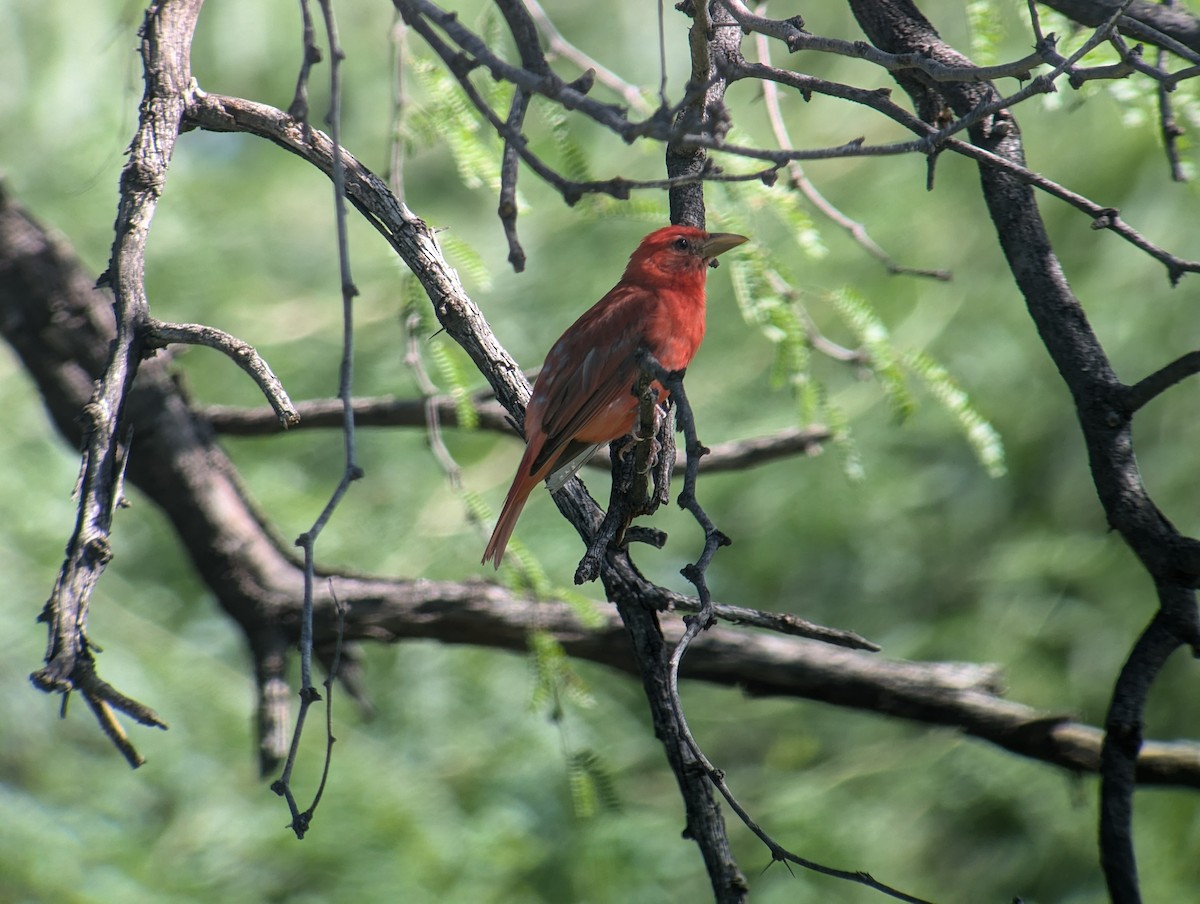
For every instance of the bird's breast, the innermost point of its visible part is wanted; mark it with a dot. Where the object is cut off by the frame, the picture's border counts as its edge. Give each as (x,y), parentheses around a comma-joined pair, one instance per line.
(675,329)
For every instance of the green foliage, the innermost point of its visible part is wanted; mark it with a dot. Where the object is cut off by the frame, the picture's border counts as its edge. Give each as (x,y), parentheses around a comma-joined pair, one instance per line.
(556,684)
(570,157)
(876,344)
(775,314)
(765,299)
(987,31)
(641,208)
(555,677)
(593,789)
(523,571)
(446,115)
(982,436)
(468,261)
(458,791)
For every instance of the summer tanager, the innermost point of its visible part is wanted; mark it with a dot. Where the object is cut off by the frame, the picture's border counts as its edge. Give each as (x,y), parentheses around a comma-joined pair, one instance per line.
(584,395)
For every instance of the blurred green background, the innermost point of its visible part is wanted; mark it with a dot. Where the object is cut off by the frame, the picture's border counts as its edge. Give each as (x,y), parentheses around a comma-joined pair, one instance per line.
(458,791)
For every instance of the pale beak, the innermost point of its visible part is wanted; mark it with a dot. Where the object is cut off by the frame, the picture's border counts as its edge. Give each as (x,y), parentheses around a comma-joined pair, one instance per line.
(719,243)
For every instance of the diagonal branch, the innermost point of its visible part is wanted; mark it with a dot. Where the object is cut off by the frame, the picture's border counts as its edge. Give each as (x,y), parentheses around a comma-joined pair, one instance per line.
(1175,28)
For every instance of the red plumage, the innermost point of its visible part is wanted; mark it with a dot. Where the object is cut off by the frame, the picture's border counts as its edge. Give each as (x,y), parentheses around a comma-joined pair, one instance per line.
(583,396)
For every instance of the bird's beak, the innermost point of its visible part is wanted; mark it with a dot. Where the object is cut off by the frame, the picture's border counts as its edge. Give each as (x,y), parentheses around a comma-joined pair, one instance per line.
(719,243)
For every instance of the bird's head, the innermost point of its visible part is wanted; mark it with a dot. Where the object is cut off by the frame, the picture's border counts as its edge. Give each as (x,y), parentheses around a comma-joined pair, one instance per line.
(669,254)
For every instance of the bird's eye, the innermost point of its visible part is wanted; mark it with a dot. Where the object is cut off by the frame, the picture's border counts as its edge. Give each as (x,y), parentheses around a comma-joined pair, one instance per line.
(681,244)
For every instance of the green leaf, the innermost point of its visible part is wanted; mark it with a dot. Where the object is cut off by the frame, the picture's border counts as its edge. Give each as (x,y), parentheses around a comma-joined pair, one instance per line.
(554,676)
(983,437)
(776,316)
(521,570)
(583,606)
(641,207)
(592,786)
(573,159)
(466,259)
(478,511)
(780,202)
(448,116)
(843,442)
(876,342)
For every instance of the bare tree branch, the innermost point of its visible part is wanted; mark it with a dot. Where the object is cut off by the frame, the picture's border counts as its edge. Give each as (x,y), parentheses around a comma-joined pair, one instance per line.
(1174,28)
(166,45)
(351,471)
(800,181)
(161,334)
(1146,390)
(1099,399)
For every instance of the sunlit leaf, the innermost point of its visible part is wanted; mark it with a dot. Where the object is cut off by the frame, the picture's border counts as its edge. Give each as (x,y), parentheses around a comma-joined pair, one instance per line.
(983,437)
(882,359)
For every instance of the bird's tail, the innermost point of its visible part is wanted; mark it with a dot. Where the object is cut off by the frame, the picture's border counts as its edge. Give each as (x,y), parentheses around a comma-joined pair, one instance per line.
(518,493)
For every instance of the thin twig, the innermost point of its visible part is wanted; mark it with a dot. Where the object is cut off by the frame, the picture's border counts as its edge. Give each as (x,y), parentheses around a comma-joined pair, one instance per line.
(778,622)
(431,410)
(800,181)
(509,171)
(395,175)
(351,471)
(1151,387)
(560,46)
(1168,126)
(812,333)
(312,55)
(330,677)
(1035,21)
(663,103)
(243,354)
(69,664)
(1145,32)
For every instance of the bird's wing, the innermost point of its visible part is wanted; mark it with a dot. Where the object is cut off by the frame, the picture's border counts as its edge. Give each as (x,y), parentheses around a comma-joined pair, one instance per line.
(587,381)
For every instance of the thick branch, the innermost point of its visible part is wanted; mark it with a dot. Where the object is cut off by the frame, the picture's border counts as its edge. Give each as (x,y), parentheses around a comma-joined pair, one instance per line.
(1100,403)
(1143,20)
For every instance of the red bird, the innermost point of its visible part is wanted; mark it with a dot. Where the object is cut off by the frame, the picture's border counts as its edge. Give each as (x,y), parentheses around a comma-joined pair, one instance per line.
(583,396)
